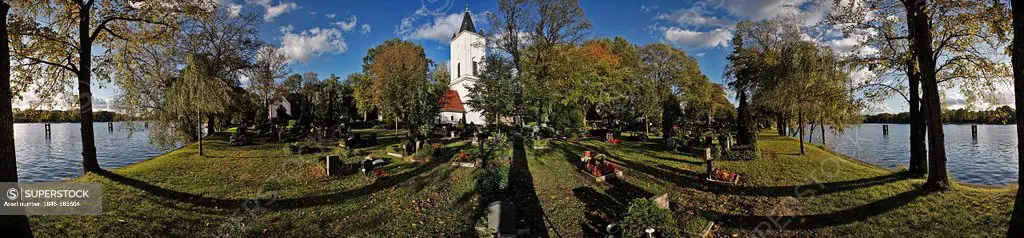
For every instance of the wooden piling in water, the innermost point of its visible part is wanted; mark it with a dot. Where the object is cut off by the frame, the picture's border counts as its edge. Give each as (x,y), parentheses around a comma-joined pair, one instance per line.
(110,126)
(48,130)
(885,129)
(974,130)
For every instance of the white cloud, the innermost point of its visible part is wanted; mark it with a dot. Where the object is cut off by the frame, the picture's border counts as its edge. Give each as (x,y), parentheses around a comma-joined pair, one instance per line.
(347,26)
(274,10)
(694,39)
(331,16)
(365,29)
(763,9)
(305,45)
(233,8)
(688,17)
(438,27)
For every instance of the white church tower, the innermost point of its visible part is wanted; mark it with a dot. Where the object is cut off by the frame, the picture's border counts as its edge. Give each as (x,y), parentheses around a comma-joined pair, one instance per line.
(467,57)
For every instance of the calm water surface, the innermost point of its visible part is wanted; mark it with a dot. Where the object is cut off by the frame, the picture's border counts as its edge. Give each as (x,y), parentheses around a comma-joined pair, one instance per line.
(991,158)
(60,157)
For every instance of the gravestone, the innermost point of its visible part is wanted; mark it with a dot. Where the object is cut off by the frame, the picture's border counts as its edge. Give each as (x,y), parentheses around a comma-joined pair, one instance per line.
(333,165)
(708,161)
(661,201)
(501,217)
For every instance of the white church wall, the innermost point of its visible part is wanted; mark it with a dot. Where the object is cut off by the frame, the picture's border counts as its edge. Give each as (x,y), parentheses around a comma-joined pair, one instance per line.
(467,49)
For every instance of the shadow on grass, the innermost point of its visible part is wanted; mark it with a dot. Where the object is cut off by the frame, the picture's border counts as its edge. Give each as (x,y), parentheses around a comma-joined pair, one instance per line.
(602,209)
(695,180)
(528,207)
(763,224)
(195,200)
(279,204)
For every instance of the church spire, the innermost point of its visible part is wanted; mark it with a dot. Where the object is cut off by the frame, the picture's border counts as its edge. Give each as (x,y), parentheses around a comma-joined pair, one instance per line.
(467,22)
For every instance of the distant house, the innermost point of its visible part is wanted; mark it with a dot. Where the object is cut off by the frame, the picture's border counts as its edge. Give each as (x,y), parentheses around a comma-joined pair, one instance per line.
(277,104)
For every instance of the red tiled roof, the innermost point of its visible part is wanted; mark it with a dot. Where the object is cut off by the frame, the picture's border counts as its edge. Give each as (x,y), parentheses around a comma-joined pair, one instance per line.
(451,102)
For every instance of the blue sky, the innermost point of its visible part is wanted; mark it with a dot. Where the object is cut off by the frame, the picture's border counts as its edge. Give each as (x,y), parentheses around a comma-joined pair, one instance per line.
(331,37)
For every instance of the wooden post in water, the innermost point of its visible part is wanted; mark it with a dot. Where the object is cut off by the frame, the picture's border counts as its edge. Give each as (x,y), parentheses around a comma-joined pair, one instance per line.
(885,129)
(974,130)
(110,126)
(48,130)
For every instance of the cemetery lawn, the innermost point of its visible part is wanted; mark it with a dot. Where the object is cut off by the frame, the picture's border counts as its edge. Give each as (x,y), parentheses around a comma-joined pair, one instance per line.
(783,194)
(180,194)
(231,192)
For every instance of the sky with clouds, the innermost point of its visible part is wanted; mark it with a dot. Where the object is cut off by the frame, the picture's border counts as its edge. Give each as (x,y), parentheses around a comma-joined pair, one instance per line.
(331,37)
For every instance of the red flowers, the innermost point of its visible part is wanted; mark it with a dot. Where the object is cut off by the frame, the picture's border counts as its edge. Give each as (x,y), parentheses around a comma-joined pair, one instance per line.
(380,173)
(614,141)
(724,175)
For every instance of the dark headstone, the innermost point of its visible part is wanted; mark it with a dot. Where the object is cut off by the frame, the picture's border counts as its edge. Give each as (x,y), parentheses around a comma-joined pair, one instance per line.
(333,165)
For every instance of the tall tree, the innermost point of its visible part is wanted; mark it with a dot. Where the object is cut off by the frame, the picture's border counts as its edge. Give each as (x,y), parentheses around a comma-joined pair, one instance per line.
(489,95)
(399,72)
(669,72)
(1017,219)
(12,225)
(57,38)
(741,71)
(530,31)
(264,77)
(198,92)
(919,25)
(145,70)
(584,75)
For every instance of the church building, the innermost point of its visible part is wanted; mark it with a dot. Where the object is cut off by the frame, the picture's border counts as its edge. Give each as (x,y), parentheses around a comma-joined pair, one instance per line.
(467,56)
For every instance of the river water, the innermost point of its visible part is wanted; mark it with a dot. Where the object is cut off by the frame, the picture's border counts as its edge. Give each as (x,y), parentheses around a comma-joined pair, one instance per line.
(60,157)
(990,158)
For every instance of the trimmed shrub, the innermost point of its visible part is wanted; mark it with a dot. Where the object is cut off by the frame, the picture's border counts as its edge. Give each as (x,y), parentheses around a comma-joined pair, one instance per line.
(643,214)
(745,152)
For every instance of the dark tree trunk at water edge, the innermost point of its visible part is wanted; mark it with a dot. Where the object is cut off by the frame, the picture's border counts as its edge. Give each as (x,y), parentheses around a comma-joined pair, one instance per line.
(89,161)
(1017,218)
(12,226)
(800,125)
(918,149)
(919,26)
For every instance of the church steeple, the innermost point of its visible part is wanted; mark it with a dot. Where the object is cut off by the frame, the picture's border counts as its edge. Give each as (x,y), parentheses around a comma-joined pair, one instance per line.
(467,22)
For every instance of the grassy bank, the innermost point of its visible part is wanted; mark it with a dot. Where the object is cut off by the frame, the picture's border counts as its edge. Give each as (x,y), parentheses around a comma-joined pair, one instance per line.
(264,190)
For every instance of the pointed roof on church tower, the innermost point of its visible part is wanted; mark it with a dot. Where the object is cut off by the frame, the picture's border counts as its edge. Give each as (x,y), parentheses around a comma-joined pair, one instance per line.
(467,23)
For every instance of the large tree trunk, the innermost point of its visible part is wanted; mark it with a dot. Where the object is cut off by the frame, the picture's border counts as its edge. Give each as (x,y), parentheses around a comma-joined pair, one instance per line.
(920,31)
(918,151)
(800,125)
(823,131)
(780,123)
(89,161)
(1017,217)
(210,124)
(199,132)
(11,225)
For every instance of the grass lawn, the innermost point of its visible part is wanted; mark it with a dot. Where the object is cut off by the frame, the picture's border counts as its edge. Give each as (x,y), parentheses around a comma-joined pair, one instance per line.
(782,194)
(263,190)
(231,192)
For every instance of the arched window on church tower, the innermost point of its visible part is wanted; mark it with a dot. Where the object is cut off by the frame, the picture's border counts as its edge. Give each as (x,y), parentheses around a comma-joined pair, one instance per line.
(474,68)
(458,70)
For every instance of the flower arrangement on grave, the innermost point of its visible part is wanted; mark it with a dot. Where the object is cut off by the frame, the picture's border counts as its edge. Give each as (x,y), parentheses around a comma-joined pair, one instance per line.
(463,156)
(723,175)
(380,173)
(614,141)
(600,167)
